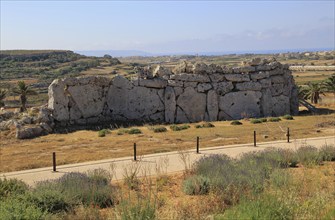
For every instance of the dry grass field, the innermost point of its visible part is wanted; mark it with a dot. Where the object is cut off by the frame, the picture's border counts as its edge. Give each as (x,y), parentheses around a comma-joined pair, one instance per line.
(85,145)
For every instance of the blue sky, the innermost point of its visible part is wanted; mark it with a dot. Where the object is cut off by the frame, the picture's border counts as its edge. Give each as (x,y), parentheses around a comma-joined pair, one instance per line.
(167,26)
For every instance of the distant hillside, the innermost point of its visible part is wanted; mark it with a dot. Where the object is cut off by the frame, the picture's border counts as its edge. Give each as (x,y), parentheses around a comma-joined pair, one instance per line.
(114,53)
(47,64)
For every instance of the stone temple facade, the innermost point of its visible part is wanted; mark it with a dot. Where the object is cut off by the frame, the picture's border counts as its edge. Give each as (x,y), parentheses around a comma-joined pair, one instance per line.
(188,93)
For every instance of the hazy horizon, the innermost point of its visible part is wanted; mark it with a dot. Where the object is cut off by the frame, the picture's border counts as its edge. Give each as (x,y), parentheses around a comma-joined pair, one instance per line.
(168,27)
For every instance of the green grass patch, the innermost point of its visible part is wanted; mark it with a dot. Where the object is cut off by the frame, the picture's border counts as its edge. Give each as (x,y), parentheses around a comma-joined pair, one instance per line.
(274,119)
(205,125)
(179,127)
(236,122)
(288,117)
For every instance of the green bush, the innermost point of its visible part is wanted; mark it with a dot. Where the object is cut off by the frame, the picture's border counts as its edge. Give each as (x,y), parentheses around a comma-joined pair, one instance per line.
(205,125)
(309,156)
(103,132)
(134,131)
(255,121)
(288,117)
(49,200)
(18,208)
(274,119)
(266,207)
(196,185)
(79,189)
(160,129)
(327,153)
(179,127)
(10,187)
(236,122)
(263,119)
(99,176)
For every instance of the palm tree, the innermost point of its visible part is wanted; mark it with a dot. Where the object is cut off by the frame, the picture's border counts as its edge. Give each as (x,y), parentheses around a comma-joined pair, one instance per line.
(329,84)
(3,94)
(313,92)
(23,90)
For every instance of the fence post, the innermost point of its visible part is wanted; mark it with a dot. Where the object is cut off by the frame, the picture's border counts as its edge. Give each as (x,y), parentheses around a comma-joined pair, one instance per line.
(197,145)
(254,138)
(288,135)
(54,161)
(134,151)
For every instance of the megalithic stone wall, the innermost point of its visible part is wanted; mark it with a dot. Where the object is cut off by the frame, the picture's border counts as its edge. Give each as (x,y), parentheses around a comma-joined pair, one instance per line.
(191,93)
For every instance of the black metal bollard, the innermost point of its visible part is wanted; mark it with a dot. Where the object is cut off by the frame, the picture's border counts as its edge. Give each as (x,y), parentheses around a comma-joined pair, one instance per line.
(54,161)
(254,138)
(134,151)
(197,145)
(288,135)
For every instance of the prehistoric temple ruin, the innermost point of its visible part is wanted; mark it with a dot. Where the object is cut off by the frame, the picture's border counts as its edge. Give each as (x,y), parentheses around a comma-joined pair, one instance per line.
(188,93)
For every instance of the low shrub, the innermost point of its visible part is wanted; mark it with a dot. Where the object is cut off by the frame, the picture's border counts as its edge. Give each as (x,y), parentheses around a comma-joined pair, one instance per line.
(179,127)
(274,119)
(129,131)
(263,119)
(205,125)
(280,178)
(288,117)
(142,208)
(327,153)
(196,185)
(236,122)
(10,187)
(134,131)
(49,200)
(103,132)
(255,121)
(99,176)
(17,208)
(160,129)
(309,156)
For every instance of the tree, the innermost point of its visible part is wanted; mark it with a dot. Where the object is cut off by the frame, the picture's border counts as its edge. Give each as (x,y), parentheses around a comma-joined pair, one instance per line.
(3,94)
(23,90)
(313,92)
(329,84)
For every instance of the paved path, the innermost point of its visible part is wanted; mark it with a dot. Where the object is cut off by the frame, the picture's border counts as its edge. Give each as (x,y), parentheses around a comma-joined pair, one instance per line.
(149,164)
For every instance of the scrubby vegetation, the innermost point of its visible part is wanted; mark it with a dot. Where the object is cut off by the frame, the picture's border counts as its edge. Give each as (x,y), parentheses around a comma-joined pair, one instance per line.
(179,127)
(205,125)
(258,185)
(236,122)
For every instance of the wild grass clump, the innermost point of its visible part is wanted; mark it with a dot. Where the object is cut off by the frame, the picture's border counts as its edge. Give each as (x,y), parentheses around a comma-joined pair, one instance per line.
(274,119)
(236,122)
(327,153)
(263,119)
(179,127)
(160,129)
(142,208)
(103,132)
(288,117)
(266,207)
(196,185)
(255,121)
(205,125)
(309,156)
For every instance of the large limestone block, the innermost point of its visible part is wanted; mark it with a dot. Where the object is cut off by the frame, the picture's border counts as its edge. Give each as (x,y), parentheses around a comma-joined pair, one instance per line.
(175,83)
(244,69)
(281,105)
(161,71)
(183,67)
(266,103)
(240,104)
(237,77)
(193,104)
(223,87)
(294,101)
(89,100)
(212,105)
(277,79)
(200,68)
(170,104)
(135,104)
(121,82)
(204,87)
(190,77)
(217,77)
(277,89)
(153,83)
(259,75)
(181,116)
(253,86)
(58,100)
